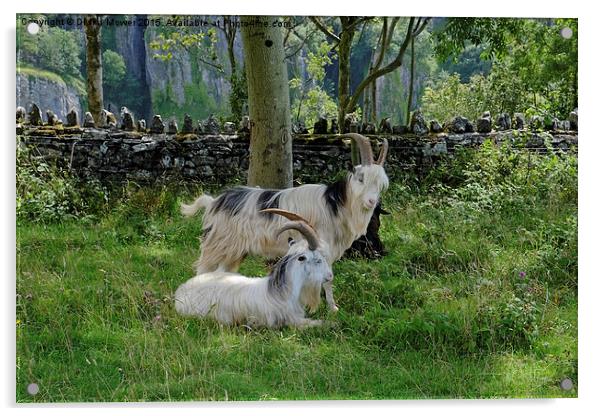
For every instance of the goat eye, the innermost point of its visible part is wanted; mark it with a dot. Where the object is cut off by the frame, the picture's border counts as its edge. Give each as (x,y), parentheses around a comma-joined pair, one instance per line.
(301,258)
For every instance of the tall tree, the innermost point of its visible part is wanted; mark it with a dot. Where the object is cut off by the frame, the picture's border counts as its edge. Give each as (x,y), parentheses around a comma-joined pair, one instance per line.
(343,40)
(271,160)
(92,29)
(411,84)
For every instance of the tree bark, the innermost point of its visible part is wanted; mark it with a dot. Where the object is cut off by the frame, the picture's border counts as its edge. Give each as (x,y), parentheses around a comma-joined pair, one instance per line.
(94,67)
(411,86)
(270,159)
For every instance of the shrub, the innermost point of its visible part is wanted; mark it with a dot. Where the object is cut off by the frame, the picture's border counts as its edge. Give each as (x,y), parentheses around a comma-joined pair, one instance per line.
(46,192)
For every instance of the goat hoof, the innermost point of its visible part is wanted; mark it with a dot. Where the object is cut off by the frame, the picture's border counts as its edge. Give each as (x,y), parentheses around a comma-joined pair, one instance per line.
(334,308)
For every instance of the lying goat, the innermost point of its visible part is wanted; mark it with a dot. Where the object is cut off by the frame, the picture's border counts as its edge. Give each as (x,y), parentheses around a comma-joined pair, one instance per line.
(273,301)
(233,225)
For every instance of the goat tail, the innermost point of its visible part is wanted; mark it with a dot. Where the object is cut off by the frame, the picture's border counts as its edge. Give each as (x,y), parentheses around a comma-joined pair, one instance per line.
(202,202)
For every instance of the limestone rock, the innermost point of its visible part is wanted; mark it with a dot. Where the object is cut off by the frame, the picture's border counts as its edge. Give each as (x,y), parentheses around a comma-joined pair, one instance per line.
(536,123)
(89,120)
(350,119)
(51,118)
(368,128)
(141,125)
(245,125)
(321,126)
(211,125)
(418,123)
(187,128)
(385,126)
(484,123)
(229,128)
(435,126)
(519,122)
(21,114)
(157,126)
(334,126)
(108,119)
(299,128)
(573,119)
(127,121)
(72,118)
(172,126)
(503,122)
(458,125)
(35,116)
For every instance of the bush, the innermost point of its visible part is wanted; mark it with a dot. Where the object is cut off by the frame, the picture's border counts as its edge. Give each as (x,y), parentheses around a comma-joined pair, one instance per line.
(48,193)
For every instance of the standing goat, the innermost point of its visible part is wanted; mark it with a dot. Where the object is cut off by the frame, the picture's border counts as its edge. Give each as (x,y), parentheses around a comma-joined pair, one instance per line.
(234,226)
(273,301)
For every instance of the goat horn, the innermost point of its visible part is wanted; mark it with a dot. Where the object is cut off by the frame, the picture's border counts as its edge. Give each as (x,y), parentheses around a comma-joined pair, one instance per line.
(384,149)
(306,230)
(286,214)
(364,147)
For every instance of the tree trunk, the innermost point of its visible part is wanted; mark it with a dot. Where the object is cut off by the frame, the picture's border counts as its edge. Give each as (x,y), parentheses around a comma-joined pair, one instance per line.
(344,53)
(270,159)
(94,67)
(411,86)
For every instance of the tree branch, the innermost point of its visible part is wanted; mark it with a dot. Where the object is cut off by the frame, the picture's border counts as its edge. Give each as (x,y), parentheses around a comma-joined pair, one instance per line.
(324,29)
(385,70)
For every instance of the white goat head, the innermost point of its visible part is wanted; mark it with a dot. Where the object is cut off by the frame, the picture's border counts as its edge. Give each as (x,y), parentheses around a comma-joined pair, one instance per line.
(368,179)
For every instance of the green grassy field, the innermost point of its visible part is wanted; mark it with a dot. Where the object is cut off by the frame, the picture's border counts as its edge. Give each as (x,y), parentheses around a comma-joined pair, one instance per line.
(476,298)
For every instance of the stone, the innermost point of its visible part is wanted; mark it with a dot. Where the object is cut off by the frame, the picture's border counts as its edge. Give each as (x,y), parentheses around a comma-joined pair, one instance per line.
(245,125)
(469,127)
(350,119)
(211,125)
(519,121)
(334,126)
(565,125)
(72,118)
(229,128)
(89,120)
(172,126)
(141,125)
(484,123)
(573,119)
(385,126)
(368,128)
(21,114)
(400,129)
(418,124)
(435,126)
(321,126)
(35,116)
(187,128)
(157,126)
(503,122)
(51,118)
(108,119)
(457,125)
(299,128)
(536,123)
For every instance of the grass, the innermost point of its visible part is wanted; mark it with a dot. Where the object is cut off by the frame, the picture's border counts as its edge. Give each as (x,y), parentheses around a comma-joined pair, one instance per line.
(476,298)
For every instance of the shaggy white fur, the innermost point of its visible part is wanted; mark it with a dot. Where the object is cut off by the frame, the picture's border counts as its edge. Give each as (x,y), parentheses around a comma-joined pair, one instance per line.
(272,301)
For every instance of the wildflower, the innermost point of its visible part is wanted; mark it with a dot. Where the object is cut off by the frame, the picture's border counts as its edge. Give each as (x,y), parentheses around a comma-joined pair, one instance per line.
(522,275)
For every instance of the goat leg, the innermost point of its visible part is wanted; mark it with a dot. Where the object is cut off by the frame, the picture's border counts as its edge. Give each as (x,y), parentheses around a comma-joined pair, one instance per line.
(329,296)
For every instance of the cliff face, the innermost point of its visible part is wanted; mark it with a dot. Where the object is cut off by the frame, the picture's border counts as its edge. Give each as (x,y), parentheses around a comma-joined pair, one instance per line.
(48,94)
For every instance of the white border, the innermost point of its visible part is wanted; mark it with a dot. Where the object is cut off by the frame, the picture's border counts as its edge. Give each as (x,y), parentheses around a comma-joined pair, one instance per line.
(590,151)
